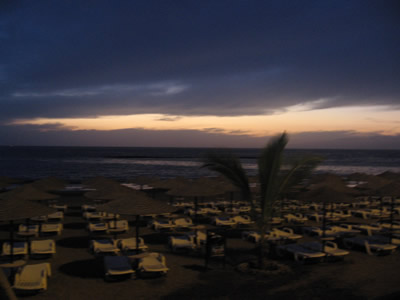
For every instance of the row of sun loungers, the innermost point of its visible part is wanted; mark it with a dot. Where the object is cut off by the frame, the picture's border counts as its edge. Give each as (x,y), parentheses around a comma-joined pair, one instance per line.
(42,229)
(37,248)
(118,226)
(312,252)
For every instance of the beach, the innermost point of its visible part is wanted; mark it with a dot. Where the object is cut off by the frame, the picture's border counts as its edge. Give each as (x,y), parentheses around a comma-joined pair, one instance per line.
(77,274)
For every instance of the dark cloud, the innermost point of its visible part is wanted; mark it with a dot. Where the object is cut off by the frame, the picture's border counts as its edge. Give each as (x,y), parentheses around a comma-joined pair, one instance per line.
(89,58)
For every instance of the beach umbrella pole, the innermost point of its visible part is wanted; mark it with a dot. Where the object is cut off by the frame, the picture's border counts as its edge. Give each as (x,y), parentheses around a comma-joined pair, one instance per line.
(391,220)
(11,241)
(137,234)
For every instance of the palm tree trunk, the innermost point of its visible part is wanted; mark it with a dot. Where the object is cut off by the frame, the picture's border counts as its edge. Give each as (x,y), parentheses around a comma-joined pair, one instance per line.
(5,289)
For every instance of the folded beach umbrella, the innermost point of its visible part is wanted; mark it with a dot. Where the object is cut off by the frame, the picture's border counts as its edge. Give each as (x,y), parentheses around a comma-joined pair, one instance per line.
(20,209)
(136,204)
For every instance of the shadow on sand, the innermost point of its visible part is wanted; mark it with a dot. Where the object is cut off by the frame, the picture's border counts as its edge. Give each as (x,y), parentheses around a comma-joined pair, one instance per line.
(74,242)
(88,268)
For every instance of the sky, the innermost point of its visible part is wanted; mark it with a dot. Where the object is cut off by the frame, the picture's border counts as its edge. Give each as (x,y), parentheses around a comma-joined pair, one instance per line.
(210,73)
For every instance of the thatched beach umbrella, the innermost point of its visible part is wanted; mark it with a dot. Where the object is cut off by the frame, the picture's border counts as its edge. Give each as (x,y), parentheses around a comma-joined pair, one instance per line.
(326,194)
(19,209)
(28,192)
(195,189)
(136,204)
(393,190)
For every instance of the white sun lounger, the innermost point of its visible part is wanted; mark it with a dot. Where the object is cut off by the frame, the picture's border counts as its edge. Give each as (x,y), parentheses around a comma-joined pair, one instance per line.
(182,243)
(223,222)
(181,223)
(331,249)
(372,246)
(117,267)
(92,216)
(118,227)
(43,247)
(52,228)
(19,248)
(287,233)
(152,264)
(28,230)
(128,245)
(104,247)
(105,216)
(162,225)
(97,227)
(300,253)
(57,216)
(242,220)
(32,277)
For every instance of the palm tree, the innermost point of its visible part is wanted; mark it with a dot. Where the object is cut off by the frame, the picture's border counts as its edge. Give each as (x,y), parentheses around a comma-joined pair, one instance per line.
(273,179)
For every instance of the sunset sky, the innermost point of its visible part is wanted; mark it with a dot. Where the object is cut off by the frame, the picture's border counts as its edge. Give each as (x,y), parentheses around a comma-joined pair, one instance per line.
(200,73)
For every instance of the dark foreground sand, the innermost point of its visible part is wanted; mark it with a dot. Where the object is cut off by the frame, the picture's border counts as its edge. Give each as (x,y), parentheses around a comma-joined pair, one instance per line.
(77,275)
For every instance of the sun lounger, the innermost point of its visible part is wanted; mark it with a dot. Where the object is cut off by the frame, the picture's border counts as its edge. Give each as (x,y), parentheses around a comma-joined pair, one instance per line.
(287,233)
(104,247)
(117,267)
(152,264)
(92,216)
(39,219)
(19,248)
(128,245)
(300,253)
(223,222)
(182,223)
(32,277)
(88,208)
(57,216)
(28,230)
(182,243)
(254,237)
(242,220)
(330,249)
(295,218)
(345,230)
(161,225)
(60,207)
(371,245)
(43,248)
(118,226)
(97,227)
(317,231)
(48,229)
(105,216)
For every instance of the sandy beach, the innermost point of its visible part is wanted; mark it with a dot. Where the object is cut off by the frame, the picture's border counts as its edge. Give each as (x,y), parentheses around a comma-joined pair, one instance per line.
(76,274)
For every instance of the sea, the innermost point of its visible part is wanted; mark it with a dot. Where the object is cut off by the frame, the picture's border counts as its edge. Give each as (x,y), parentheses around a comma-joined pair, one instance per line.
(77,163)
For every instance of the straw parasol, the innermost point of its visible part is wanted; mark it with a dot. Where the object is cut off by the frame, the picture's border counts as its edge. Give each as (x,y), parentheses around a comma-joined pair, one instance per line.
(28,192)
(20,209)
(393,190)
(326,194)
(136,204)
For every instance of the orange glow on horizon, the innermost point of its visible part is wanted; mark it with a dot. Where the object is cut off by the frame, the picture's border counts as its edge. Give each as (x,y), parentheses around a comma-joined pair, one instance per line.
(360,119)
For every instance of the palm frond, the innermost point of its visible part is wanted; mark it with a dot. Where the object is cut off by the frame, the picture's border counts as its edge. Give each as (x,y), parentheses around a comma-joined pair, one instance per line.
(269,165)
(229,166)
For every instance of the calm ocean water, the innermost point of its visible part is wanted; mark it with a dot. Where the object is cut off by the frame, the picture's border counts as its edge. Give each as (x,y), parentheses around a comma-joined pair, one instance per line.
(123,163)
